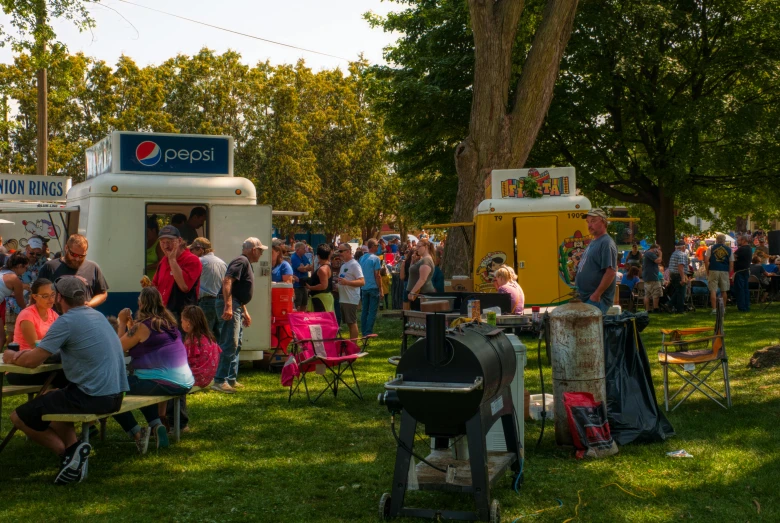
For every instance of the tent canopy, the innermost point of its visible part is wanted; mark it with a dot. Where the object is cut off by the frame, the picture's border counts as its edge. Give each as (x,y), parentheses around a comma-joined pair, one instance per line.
(729,240)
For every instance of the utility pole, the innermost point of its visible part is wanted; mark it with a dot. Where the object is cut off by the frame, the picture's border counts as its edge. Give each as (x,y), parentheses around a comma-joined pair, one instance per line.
(43,98)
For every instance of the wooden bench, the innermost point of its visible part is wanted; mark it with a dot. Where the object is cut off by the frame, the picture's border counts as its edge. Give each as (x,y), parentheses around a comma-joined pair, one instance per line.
(15,390)
(129,403)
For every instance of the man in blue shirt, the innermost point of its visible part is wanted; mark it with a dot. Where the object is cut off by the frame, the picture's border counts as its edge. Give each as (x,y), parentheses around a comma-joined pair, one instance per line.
(301,267)
(598,265)
(372,289)
(93,363)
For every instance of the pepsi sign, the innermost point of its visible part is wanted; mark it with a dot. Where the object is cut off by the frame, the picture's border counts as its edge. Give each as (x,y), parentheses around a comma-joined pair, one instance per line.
(157,153)
(148,153)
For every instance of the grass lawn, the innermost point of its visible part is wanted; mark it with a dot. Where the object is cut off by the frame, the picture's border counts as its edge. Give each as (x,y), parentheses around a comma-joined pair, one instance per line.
(254,457)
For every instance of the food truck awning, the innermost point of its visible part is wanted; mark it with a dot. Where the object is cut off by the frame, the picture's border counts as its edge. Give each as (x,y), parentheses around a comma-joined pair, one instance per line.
(448,225)
(289,213)
(19,207)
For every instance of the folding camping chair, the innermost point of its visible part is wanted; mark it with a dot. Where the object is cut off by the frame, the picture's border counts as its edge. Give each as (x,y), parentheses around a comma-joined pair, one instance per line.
(700,294)
(694,358)
(625,298)
(317,347)
(639,295)
(754,288)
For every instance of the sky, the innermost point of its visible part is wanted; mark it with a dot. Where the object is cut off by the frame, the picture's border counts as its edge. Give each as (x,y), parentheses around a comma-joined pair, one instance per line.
(334,27)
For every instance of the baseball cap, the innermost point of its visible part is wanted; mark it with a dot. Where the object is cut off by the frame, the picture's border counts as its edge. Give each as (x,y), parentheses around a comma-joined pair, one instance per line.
(702,243)
(169,231)
(679,243)
(598,213)
(35,243)
(201,242)
(254,243)
(71,286)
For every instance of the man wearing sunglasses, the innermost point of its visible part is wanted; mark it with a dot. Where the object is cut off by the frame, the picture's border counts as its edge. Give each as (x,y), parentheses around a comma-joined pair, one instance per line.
(74,263)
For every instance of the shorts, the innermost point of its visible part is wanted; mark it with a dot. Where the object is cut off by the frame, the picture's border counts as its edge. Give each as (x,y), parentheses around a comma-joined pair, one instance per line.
(301,297)
(348,313)
(653,289)
(718,280)
(70,400)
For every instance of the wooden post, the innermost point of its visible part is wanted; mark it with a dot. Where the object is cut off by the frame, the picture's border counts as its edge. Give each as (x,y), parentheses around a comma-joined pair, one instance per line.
(41,19)
(43,122)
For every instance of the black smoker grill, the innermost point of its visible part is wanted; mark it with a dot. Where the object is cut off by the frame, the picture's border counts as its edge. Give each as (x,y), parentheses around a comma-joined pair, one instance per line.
(455,382)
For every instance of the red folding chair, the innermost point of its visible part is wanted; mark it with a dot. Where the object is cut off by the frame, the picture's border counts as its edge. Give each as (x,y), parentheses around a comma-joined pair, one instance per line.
(317,347)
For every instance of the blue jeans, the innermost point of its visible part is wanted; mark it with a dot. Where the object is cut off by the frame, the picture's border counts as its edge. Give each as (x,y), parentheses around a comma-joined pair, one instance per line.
(677,291)
(139,387)
(209,308)
(230,342)
(601,305)
(370,308)
(741,290)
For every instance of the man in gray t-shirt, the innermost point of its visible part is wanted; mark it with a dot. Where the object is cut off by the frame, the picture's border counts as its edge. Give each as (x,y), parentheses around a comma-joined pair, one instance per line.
(596,275)
(93,362)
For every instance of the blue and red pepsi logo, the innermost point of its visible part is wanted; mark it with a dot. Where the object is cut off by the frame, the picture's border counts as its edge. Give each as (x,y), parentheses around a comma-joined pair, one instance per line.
(148,153)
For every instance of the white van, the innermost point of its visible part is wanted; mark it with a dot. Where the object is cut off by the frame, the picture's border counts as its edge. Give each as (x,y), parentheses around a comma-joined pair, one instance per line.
(125,185)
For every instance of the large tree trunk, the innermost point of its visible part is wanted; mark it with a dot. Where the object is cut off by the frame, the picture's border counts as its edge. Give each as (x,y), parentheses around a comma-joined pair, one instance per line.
(499,139)
(664,225)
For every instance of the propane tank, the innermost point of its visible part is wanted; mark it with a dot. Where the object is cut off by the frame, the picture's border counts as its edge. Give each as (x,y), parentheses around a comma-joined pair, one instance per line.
(577,338)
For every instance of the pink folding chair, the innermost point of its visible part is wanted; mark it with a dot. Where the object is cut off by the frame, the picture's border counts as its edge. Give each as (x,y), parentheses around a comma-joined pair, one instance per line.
(317,347)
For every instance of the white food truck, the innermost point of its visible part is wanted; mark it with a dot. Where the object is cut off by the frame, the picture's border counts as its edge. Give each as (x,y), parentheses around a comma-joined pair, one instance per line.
(131,176)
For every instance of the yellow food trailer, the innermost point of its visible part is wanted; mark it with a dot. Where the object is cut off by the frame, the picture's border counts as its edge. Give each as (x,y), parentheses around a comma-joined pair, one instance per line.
(541,237)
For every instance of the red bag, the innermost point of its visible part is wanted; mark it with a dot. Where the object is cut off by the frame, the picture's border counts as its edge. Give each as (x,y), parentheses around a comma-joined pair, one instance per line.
(203,357)
(588,425)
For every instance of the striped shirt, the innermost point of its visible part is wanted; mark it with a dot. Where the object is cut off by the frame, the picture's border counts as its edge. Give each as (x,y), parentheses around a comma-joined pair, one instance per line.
(678,258)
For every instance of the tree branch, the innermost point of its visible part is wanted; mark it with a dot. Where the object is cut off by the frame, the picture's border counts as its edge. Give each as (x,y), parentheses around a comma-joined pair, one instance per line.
(535,86)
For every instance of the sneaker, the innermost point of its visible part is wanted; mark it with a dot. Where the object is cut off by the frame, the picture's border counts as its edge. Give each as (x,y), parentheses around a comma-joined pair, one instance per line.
(142,443)
(223,387)
(74,465)
(714,312)
(237,385)
(161,435)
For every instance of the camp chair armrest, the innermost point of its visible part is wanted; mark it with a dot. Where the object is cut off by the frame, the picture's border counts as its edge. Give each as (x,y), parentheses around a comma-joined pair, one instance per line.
(684,332)
(689,341)
(310,341)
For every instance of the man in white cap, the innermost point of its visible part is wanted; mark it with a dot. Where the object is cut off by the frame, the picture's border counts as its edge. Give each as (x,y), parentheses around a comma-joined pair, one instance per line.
(35,252)
(598,265)
(236,292)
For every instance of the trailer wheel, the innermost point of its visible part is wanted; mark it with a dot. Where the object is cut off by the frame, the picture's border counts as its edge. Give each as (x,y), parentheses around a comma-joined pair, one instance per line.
(495,512)
(384,506)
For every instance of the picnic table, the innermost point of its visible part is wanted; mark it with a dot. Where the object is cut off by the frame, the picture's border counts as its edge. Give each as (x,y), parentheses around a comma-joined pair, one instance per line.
(30,390)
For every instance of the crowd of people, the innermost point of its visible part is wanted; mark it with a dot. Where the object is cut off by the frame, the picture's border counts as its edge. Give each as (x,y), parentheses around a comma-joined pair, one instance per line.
(343,279)
(186,332)
(723,271)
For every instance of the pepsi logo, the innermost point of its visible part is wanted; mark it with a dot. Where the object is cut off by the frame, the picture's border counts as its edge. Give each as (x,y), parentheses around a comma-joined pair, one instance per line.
(148,153)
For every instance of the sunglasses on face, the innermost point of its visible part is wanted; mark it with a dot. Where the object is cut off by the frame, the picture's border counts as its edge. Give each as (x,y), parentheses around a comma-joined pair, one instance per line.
(75,254)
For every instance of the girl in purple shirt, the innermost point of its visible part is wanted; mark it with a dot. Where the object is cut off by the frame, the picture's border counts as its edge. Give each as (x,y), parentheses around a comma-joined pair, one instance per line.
(159,358)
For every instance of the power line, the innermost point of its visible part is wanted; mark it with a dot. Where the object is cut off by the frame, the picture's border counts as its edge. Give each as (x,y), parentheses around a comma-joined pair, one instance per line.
(232,31)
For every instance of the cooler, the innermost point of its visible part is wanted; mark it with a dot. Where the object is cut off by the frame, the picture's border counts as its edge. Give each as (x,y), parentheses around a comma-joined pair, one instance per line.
(282,304)
(495,437)
(282,300)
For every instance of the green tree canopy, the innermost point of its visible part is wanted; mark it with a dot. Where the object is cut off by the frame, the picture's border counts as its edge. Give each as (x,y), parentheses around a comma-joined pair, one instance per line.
(671,104)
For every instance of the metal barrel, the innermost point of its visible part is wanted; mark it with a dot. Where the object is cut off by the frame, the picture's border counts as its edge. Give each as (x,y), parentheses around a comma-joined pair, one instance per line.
(577,339)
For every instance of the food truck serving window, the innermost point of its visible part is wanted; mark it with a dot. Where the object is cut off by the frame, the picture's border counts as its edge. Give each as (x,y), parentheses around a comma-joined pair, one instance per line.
(190,218)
